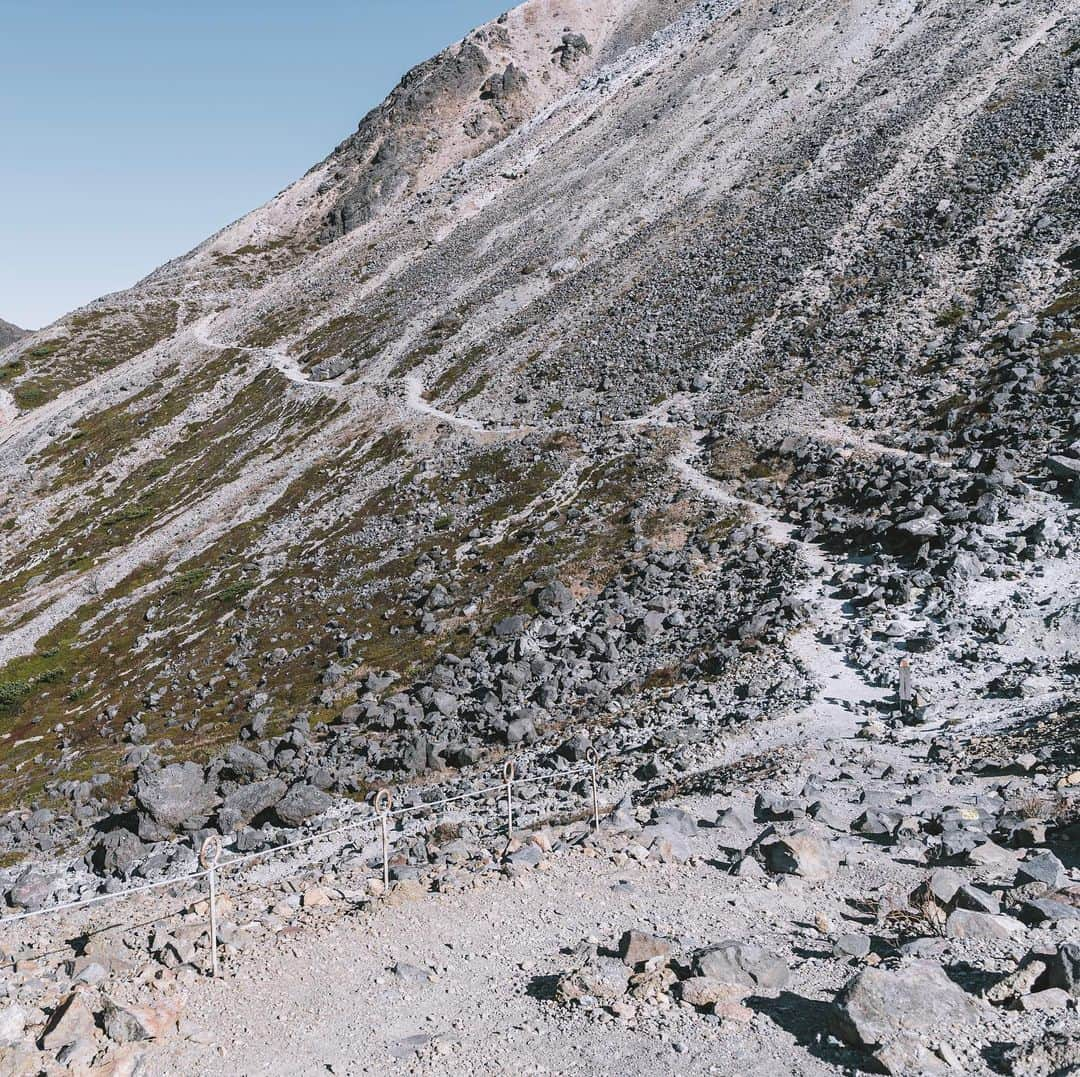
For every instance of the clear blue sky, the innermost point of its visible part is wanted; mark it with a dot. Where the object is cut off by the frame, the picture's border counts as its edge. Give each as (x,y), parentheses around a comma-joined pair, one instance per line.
(132,130)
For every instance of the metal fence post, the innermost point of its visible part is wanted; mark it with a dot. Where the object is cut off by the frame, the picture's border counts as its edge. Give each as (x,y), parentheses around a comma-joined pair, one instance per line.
(208,858)
(382,806)
(508,773)
(593,759)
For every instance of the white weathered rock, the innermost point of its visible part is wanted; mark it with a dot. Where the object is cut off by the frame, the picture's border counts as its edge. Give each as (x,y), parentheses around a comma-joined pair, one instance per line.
(800,853)
(12,1023)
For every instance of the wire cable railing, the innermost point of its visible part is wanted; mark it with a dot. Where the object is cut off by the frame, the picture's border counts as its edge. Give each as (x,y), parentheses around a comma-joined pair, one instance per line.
(211,864)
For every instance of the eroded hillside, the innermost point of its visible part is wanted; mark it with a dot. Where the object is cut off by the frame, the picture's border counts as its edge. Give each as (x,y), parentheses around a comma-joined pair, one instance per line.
(488,354)
(641,376)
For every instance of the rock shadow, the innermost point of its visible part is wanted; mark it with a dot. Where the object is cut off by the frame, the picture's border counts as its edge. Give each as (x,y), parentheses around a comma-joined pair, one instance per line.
(806,1019)
(543,988)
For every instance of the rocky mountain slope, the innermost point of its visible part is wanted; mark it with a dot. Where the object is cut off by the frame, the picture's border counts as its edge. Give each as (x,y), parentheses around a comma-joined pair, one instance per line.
(9,333)
(640,375)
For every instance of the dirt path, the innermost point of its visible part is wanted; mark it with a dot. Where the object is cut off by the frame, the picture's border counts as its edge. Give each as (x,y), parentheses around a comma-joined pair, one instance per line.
(779,532)
(415,402)
(335,1004)
(329,1001)
(277,358)
(843,690)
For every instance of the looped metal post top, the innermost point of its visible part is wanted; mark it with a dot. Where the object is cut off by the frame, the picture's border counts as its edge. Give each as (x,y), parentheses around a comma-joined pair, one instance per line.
(508,774)
(383,801)
(592,757)
(210,853)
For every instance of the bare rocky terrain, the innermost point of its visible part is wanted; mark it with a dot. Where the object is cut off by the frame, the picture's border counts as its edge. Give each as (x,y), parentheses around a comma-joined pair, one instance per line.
(9,332)
(643,377)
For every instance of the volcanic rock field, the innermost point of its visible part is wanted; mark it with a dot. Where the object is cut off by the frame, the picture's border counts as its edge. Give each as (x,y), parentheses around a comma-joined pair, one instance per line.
(678,401)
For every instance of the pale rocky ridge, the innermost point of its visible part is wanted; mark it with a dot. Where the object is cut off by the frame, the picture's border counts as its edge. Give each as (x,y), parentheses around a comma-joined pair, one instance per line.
(9,332)
(640,376)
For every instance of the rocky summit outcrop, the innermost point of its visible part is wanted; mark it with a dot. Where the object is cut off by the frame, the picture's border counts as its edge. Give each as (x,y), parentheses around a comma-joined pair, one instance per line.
(688,388)
(9,333)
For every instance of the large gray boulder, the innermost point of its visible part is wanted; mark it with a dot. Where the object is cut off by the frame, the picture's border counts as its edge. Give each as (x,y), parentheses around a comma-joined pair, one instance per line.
(1063,969)
(1064,467)
(520,730)
(248,802)
(301,803)
(245,763)
(743,963)
(595,977)
(879,1005)
(734,829)
(965,924)
(1042,867)
(510,626)
(31,890)
(172,799)
(118,852)
(555,599)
